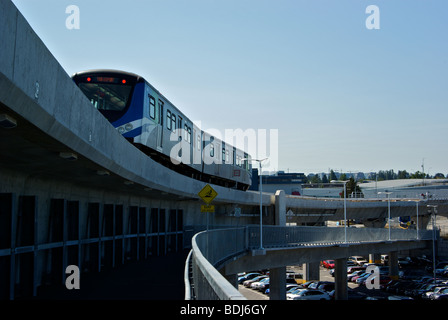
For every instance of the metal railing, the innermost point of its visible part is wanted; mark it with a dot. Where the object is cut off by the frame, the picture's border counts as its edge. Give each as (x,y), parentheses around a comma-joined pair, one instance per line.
(212,248)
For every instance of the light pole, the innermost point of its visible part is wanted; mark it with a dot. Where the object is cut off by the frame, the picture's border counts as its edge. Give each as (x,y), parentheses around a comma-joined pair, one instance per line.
(417,218)
(388,209)
(261,199)
(345,207)
(434,211)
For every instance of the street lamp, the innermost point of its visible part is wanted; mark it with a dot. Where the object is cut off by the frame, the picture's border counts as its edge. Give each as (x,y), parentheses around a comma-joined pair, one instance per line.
(345,207)
(388,208)
(434,211)
(261,199)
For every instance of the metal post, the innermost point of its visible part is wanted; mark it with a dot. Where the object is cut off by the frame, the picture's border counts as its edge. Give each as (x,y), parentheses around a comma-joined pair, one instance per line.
(261,207)
(388,209)
(418,238)
(345,211)
(434,211)
(388,212)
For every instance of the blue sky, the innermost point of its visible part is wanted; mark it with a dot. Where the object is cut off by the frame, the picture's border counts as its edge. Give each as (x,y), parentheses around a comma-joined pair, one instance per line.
(341,96)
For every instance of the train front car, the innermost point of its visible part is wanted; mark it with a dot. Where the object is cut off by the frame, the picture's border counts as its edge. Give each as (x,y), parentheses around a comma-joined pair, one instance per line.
(117,95)
(149,121)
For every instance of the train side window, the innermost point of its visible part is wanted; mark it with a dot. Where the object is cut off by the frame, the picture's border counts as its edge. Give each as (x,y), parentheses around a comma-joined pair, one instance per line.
(173,122)
(152,107)
(168,120)
(223,155)
(212,150)
(187,133)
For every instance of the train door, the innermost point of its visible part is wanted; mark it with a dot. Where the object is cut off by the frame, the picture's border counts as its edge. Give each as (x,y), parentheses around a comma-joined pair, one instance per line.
(160,125)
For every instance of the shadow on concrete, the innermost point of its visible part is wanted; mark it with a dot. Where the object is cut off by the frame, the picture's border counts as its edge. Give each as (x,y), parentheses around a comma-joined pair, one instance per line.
(156,278)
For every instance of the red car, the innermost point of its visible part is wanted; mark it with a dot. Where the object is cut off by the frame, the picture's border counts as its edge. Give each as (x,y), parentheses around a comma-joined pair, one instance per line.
(329,264)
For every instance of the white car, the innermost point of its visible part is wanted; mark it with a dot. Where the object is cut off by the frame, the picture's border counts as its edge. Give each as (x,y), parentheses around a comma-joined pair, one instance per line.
(358,260)
(259,284)
(308,294)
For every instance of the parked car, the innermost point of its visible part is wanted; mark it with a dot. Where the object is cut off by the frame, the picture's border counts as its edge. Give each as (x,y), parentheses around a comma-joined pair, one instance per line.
(247,283)
(428,295)
(362,274)
(329,264)
(421,290)
(362,279)
(327,286)
(358,260)
(441,295)
(248,276)
(259,285)
(289,287)
(316,284)
(308,294)
(354,268)
(355,274)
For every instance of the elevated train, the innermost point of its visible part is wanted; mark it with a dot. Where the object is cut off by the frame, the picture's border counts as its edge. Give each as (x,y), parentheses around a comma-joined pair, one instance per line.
(159,129)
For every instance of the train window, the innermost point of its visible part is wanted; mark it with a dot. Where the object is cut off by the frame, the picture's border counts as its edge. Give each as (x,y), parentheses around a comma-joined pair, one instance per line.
(212,150)
(173,122)
(187,133)
(168,119)
(223,155)
(152,107)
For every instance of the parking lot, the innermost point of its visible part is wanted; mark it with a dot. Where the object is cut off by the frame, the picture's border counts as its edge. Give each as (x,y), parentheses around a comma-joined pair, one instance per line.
(416,282)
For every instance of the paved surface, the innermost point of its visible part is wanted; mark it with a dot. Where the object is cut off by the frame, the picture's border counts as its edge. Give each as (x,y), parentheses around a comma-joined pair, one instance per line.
(156,278)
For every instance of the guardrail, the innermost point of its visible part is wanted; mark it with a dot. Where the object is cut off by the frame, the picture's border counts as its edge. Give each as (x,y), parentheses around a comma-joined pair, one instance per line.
(209,248)
(212,248)
(278,236)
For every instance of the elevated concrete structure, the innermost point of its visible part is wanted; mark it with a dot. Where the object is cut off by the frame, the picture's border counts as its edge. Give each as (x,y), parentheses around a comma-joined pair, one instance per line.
(74,191)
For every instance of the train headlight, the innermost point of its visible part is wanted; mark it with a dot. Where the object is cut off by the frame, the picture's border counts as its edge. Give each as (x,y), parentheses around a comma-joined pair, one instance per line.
(121,130)
(128,126)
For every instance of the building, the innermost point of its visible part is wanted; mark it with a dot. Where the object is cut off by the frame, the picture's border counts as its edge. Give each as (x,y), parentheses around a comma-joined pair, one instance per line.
(291,183)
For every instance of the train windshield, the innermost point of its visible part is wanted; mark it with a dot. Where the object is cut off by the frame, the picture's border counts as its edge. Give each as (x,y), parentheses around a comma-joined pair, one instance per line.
(110,95)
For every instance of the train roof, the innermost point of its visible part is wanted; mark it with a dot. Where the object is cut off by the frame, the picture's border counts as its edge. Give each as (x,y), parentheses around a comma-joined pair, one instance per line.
(110,71)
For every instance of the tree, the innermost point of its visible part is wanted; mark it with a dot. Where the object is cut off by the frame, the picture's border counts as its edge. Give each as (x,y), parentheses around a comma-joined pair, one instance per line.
(352,187)
(332,175)
(403,174)
(418,175)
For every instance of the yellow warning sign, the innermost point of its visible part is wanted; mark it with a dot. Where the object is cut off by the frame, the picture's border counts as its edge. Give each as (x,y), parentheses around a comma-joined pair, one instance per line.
(207,208)
(207,194)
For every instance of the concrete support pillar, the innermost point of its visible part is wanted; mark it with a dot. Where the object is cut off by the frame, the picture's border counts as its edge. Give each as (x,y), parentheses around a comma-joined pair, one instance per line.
(311,271)
(393,265)
(280,208)
(277,283)
(375,258)
(423,221)
(340,279)
(277,276)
